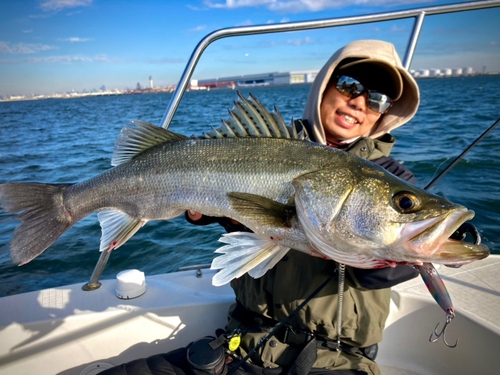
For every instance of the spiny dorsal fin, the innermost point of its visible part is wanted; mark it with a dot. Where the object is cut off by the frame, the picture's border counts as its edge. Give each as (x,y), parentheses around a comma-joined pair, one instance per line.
(274,126)
(249,118)
(133,141)
(263,127)
(240,111)
(303,134)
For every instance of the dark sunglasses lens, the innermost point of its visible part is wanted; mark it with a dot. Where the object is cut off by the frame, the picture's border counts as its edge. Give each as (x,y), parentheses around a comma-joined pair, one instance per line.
(378,102)
(352,88)
(349,87)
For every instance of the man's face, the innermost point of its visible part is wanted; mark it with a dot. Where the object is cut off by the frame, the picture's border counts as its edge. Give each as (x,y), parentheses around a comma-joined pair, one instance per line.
(344,118)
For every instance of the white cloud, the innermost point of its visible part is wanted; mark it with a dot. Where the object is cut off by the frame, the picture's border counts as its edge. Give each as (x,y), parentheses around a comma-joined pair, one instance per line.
(57,59)
(290,42)
(245,23)
(68,59)
(28,31)
(196,29)
(24,48)
(285,20)
(163,61)
(75,39)
(57,5)
(192,7)
(396,29)
(105,59)
(40,16)
(102,58)
(392,29)
(236,3)
(296,6)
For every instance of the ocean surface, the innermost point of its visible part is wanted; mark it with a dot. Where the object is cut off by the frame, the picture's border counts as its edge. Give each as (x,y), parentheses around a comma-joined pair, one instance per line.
(70,140)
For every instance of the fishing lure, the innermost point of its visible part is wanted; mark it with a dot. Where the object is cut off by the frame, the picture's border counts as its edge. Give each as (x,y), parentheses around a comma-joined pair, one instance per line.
(438,290)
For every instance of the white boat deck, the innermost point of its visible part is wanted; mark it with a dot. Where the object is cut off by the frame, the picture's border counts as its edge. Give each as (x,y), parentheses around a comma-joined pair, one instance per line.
(475,292)
(68,331)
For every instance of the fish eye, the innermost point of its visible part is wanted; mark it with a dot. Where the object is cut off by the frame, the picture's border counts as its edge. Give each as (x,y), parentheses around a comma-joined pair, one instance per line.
(406,202)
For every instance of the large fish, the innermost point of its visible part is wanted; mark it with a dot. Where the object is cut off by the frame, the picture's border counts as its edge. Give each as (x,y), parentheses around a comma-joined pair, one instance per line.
(290,192)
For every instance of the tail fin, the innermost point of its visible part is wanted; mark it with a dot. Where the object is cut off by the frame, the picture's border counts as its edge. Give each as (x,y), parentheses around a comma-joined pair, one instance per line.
(42,214)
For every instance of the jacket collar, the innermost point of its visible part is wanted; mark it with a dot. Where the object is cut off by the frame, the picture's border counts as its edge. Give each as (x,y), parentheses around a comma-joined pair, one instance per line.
(372,148)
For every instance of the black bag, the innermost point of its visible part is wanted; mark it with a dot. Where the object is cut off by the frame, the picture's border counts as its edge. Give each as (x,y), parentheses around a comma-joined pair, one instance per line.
(204,360)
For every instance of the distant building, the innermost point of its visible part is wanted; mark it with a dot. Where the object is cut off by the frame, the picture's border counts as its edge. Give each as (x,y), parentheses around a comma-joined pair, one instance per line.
(150,82)
(264,79)
(424,73)
(434,72)
(446,72)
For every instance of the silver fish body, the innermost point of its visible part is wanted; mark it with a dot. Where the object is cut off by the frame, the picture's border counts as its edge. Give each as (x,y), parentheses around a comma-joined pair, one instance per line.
(292,193)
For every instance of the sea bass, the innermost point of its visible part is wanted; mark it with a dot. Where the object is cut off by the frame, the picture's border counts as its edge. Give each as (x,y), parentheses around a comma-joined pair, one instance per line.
(292,193)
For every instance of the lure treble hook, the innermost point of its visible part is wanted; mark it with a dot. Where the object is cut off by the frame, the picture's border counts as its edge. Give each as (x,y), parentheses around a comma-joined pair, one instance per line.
(449,317)
(438,290)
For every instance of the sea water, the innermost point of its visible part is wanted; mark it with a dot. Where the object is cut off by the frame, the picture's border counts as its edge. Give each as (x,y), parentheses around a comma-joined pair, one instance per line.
(70,140)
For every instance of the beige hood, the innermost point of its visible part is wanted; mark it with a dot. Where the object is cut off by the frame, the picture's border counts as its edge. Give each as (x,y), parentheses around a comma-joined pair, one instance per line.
(402,110)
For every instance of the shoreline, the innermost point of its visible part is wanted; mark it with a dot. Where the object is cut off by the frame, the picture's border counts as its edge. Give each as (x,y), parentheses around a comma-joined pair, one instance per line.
(193,89)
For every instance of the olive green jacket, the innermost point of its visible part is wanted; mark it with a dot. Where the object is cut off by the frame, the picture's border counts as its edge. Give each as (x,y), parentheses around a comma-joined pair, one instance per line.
(293,279)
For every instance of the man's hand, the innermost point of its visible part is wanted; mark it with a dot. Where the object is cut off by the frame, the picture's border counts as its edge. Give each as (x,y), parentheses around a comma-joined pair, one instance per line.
(195,216)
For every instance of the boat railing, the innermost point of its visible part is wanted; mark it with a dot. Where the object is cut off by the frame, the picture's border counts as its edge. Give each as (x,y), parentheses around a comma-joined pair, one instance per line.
(418,14)
(197,267)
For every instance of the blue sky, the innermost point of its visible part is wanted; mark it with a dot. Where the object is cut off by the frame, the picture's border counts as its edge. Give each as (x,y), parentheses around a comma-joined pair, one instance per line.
(49,46)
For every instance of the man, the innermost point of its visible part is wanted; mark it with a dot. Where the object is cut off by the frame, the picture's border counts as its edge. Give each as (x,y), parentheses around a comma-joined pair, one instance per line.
(361,94)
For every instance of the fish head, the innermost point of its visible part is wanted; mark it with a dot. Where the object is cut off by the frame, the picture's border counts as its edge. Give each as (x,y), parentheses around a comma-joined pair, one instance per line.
(366,213)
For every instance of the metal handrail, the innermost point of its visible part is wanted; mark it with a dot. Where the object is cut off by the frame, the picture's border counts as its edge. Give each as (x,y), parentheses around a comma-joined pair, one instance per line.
(412,43)
(318,24)
(418,13)
(197,267)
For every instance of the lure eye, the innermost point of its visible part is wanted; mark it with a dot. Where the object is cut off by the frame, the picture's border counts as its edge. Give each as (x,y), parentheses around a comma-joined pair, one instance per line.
(406,202)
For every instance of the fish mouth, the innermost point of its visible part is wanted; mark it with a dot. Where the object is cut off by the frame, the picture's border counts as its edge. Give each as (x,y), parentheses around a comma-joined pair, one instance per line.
(433,242)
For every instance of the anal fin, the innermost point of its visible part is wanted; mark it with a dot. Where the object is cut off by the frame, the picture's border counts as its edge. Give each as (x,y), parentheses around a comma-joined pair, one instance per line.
(117,228)
(245,252)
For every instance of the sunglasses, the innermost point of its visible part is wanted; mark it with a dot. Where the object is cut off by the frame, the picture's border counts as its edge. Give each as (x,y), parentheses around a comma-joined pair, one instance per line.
(352,88)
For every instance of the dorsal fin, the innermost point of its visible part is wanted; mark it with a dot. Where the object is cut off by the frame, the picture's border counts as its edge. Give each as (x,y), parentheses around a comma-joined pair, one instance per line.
(240,112)
(134,140)
(267,118)
(258,120)
(249,118)
(276,115)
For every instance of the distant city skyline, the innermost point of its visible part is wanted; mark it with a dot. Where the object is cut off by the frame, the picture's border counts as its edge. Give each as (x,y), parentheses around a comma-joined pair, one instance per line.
(236,82)
(49,46)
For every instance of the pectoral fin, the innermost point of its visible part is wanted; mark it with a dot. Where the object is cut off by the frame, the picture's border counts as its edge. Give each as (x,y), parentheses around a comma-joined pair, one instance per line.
(261,210)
